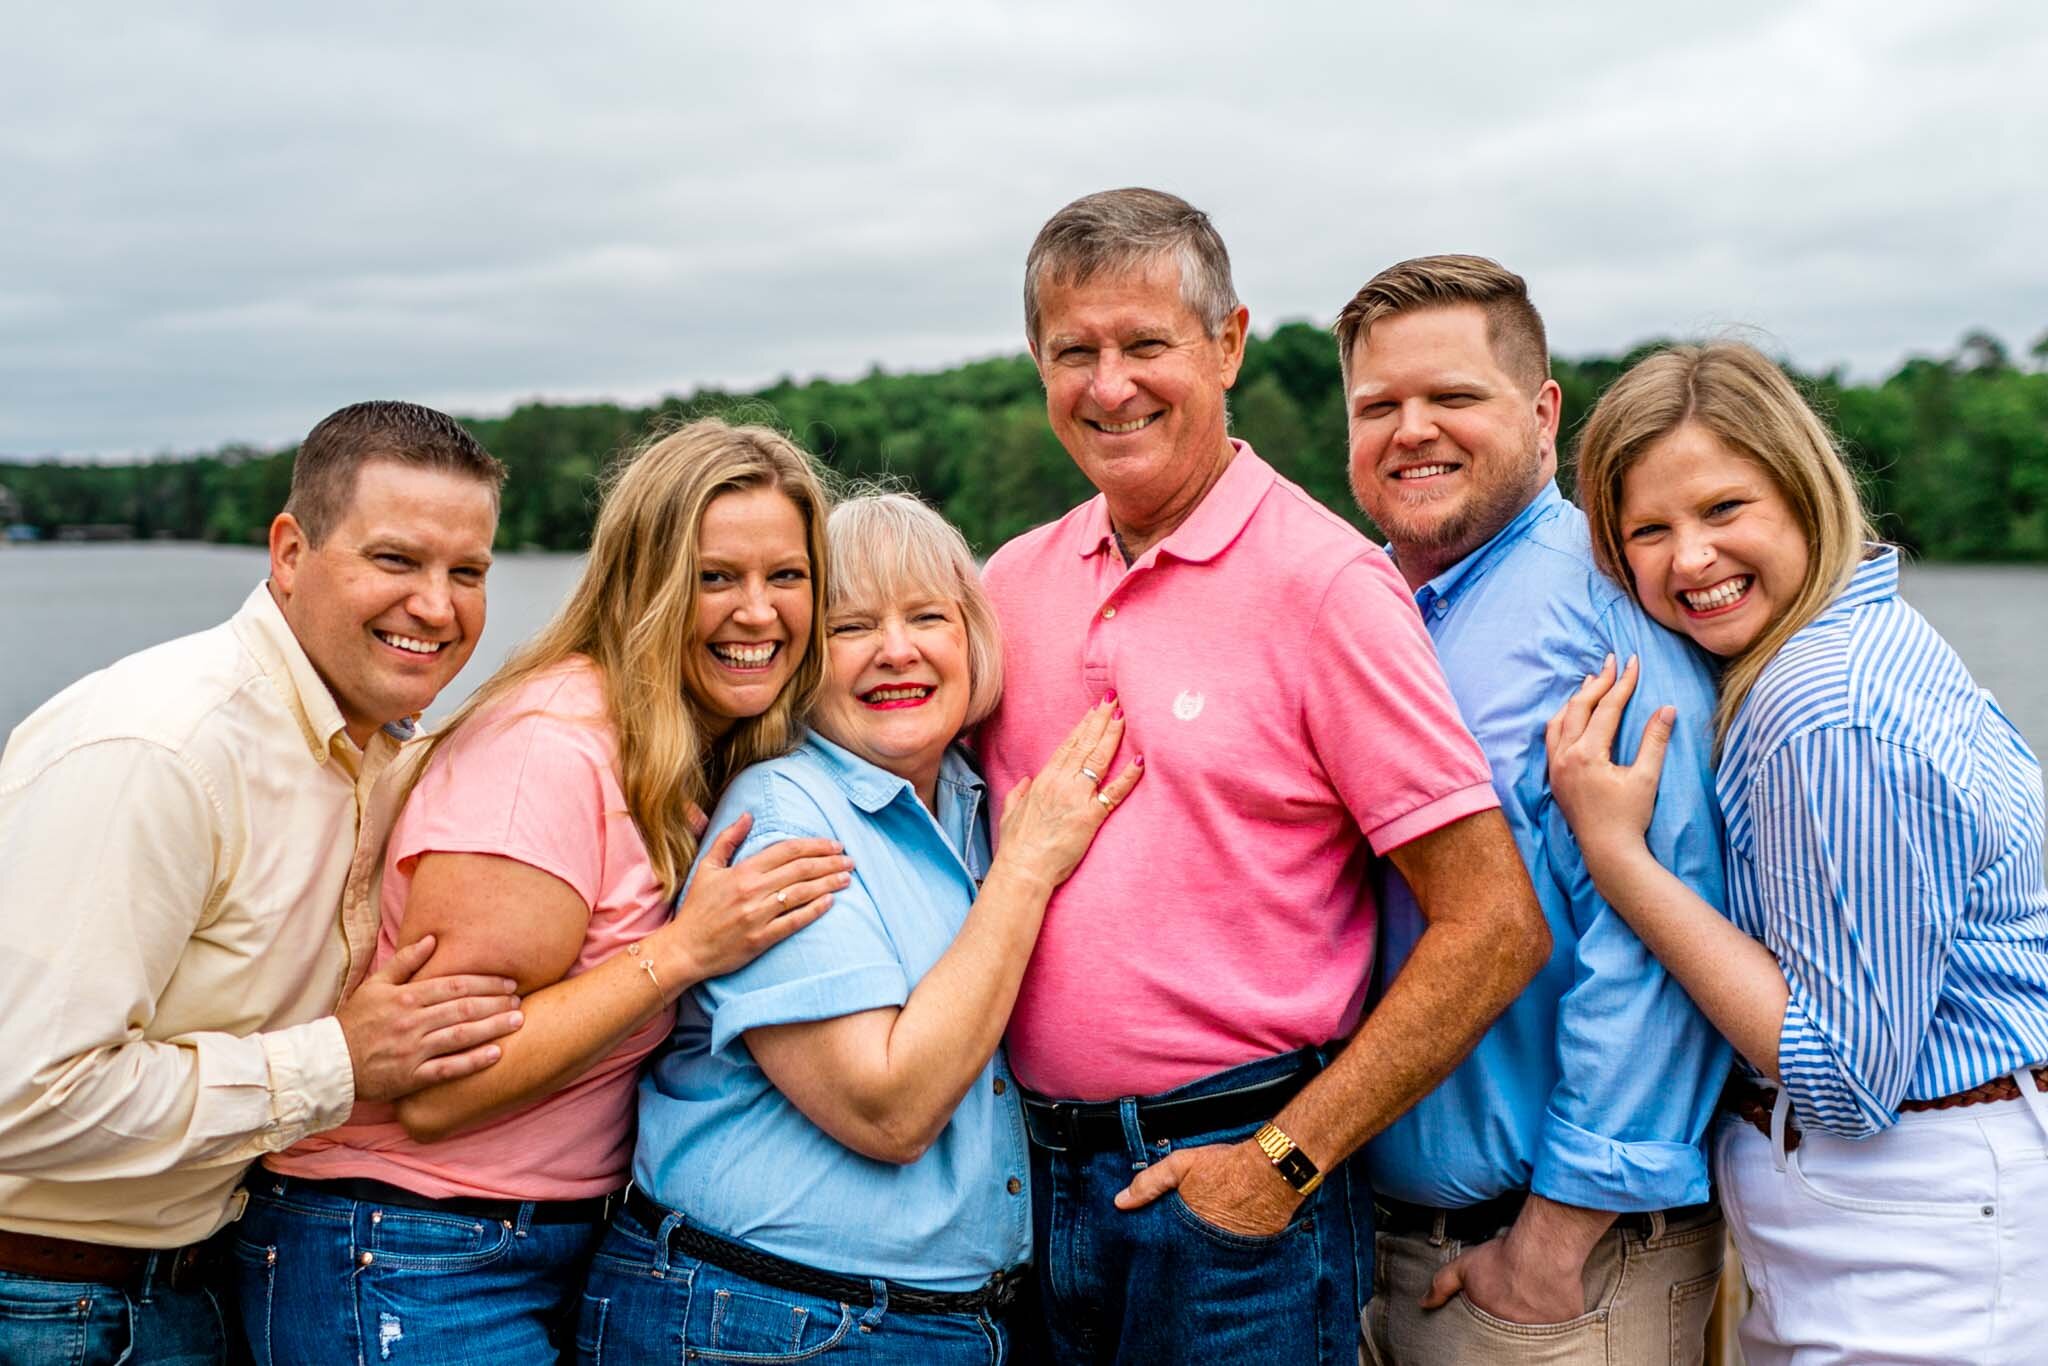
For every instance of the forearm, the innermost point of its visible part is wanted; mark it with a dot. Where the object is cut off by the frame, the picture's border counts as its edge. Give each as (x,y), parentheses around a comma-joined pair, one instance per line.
(1414,1038)
(1736,982)
(147,1106)
(569,1027)
(956,1014)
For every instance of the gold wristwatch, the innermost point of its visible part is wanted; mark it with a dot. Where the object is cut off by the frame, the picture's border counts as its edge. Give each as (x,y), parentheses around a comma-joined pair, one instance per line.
(1296,1167)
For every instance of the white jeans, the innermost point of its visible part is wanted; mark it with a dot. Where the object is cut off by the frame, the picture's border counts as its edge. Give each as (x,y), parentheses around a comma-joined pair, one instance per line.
(1927,1243)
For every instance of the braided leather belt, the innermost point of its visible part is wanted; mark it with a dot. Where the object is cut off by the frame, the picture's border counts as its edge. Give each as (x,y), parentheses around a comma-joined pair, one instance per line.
(1754,1103)
(995,1296)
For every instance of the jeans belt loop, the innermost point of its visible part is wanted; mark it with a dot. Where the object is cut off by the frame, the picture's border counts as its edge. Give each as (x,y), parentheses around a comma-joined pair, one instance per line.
(872,1320)
(1436,1231)
(1134,1137)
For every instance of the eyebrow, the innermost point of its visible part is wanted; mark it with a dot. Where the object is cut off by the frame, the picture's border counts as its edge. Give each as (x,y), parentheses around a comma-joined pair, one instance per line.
(376,545)
(1448,384)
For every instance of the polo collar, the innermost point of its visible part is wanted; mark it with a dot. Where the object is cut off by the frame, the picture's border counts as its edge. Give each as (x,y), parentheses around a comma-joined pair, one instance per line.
(1216,521)
(1442,590)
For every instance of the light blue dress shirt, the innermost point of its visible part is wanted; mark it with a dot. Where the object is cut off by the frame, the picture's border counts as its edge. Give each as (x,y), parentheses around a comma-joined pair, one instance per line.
(1595,1086)
(1884,839)
(719,1142)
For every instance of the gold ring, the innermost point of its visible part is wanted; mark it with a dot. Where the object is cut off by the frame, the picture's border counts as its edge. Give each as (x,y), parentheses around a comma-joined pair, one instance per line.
(782,898)
(1090,774)
(1107,804)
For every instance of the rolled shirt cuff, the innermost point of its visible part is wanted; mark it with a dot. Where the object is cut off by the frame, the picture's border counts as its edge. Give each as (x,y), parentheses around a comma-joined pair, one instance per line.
(1823,1096)
(1433,815)
(1576,1166)
(824,997)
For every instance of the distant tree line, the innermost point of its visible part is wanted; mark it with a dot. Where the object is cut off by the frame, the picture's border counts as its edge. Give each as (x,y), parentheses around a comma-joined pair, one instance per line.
(1953,451)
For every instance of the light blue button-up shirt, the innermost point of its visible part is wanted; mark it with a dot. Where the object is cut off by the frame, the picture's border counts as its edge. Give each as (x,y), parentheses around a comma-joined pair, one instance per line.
(719,1142)
(1595,1086)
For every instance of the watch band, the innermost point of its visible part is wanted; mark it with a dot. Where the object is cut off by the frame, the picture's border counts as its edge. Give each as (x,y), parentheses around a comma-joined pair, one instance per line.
(1296,1167)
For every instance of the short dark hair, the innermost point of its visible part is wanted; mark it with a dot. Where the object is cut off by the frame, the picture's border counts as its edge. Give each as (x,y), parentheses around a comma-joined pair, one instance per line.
(1114,231)
(1514,330)
(324,469)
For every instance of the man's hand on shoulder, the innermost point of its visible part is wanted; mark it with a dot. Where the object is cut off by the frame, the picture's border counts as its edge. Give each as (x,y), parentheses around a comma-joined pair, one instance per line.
(1230,1185)
(404,1034)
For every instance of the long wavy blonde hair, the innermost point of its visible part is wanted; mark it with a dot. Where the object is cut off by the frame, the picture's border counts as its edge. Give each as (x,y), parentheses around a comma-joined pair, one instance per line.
(634,612)
(1737,393)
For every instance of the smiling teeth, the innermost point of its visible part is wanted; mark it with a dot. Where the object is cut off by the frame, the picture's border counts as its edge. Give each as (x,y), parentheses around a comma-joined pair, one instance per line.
(1423,471)
(751,656)
(1720,595)
(1120,428)
(411,644)
(903,694)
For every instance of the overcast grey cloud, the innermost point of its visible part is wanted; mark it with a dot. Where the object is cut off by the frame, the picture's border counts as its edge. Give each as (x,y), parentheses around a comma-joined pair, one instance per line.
(218,222)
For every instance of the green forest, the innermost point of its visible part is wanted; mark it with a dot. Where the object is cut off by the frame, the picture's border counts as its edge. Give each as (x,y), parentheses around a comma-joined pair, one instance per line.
(1953,450)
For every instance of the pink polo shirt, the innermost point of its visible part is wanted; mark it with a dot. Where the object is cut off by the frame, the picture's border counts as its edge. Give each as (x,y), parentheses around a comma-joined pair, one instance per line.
(534,778)
(1276,677)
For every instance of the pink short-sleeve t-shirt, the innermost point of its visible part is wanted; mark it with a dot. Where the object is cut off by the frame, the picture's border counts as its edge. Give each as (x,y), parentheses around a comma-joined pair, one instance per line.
(1275,675)
(534,779)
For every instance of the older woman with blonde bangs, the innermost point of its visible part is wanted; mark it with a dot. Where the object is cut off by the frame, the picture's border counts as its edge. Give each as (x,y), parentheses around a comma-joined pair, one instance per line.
(1884,1156)
(831,1156)
(553,821)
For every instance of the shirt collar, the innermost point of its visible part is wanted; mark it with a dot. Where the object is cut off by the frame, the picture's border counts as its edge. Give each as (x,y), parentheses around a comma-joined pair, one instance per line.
(262,628)
(871,788)
(1876,578)
(1211,527)
(1442,590)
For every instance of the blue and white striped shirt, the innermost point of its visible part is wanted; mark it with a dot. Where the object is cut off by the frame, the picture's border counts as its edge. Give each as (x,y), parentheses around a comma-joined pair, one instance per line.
(1884,826)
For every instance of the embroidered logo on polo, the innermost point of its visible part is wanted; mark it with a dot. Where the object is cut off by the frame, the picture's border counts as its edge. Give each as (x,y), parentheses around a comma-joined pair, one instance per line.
(1188,705)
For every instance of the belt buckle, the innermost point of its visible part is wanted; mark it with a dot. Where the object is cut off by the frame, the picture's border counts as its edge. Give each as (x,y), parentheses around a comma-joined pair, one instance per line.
(1003,1288)
(187,1268)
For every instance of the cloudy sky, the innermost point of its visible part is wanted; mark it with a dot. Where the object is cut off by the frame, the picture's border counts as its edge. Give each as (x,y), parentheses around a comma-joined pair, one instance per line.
(220,221)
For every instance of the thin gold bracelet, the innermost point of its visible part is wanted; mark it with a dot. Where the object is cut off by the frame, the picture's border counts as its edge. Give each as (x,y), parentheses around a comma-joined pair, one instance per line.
(647,965)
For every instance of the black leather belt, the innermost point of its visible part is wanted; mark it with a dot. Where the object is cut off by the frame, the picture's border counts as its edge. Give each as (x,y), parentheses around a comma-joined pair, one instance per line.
(1096,1126)
(1479,1222)
(996,1295)
(124,1268)
(594,1210)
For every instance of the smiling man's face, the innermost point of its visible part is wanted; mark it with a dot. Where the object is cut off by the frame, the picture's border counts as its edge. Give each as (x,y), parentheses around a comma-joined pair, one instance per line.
(1446,447)
(390,605)
(1134,389)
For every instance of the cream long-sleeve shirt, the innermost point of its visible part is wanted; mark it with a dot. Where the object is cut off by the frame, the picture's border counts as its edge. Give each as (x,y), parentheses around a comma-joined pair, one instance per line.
(188,841)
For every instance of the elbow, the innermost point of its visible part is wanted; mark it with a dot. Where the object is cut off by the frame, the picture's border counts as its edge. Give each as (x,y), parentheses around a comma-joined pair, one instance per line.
(426,1122)
(898,1141)
(1527,946)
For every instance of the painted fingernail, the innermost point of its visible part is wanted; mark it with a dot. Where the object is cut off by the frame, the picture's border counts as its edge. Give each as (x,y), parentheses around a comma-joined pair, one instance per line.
(1108,697)
(1117,715)
(1139,762)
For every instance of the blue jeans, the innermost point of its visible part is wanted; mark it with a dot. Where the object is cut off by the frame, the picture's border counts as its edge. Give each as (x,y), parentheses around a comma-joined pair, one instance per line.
(322,1278)
(642,1304)
(81,1323)
(1161,1284)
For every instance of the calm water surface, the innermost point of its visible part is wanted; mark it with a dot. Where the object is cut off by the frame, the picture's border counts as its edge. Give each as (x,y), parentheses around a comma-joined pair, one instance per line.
(66,610)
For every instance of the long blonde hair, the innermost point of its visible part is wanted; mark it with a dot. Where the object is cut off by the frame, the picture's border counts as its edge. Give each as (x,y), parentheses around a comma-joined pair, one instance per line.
(1735,392)
(634,612)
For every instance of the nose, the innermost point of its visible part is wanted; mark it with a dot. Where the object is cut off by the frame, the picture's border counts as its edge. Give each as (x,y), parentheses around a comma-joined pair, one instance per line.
(432,602)
(755,609)
(898,649)
(1111,385)
(1416,427)
(1693,555)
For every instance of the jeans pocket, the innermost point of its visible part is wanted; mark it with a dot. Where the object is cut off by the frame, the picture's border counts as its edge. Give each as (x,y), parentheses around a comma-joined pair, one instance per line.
(590,1329)
(58,1322)
(254,1268)
(420,1240)
(733,1318)
(1591,1324)
(1247,1242)
(1691,1303)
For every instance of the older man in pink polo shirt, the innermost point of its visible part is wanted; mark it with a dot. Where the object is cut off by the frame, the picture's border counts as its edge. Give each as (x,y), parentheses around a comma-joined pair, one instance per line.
(1190,1026)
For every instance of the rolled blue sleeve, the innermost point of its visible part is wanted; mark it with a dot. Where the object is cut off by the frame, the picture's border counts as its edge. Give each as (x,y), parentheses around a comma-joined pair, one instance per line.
(1639,1068)
(1865,874)
(842,963)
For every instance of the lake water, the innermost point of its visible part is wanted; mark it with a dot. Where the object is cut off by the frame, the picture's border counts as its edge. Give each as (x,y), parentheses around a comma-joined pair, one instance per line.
(66,610)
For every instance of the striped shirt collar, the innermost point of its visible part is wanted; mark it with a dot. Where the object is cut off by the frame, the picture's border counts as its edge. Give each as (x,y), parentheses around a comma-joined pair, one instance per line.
(1875,579)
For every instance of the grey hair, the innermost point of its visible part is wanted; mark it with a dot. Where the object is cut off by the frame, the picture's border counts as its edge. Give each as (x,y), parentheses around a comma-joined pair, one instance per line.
(886,547)
(1114,232)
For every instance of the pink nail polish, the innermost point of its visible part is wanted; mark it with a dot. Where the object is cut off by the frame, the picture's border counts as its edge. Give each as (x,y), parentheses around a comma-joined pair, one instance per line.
(1117,715)
(1140,761)
(1109,696)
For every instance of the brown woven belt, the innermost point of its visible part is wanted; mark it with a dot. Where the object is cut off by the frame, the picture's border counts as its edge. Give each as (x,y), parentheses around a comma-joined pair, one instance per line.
(1754,1103)
(66,1259)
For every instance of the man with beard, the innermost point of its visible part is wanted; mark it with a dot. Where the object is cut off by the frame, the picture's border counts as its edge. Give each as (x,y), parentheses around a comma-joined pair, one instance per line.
(1549,1201)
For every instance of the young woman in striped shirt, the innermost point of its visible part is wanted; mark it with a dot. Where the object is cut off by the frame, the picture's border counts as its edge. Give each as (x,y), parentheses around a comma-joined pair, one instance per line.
(1884,1162)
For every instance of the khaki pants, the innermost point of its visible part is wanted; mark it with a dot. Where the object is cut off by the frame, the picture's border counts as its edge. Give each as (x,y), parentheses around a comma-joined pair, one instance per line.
(1650,1295)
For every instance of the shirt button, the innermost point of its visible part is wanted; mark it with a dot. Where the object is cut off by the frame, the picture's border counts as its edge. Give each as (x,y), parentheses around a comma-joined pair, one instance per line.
(1013,1186)
(1108,612)
(1001,1086)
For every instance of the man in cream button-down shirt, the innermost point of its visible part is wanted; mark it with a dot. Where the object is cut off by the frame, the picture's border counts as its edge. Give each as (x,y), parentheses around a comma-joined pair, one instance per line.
(187,845)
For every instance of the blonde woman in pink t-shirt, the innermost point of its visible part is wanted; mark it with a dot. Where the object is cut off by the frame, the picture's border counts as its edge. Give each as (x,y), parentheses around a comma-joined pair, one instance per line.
(553,820)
